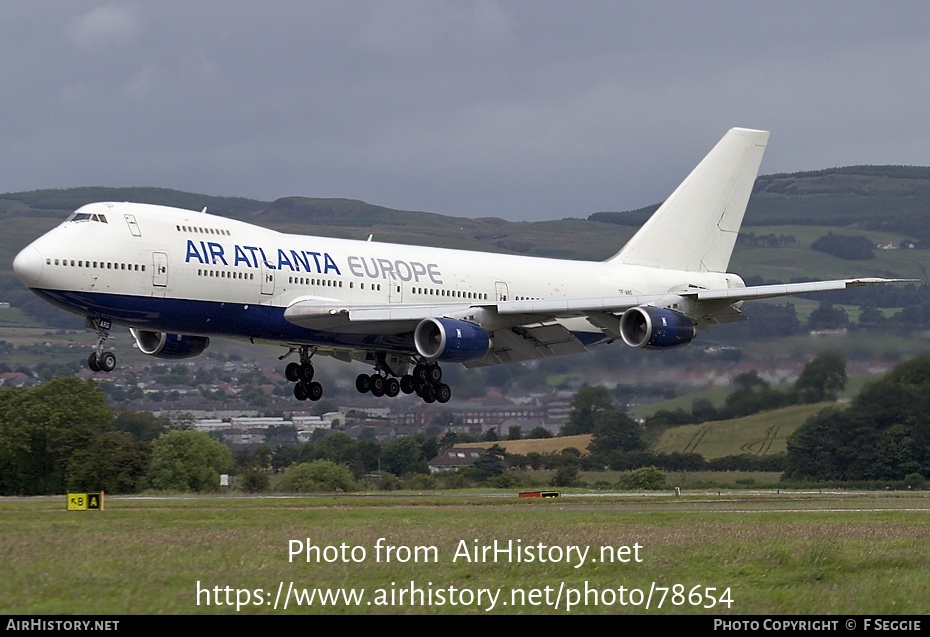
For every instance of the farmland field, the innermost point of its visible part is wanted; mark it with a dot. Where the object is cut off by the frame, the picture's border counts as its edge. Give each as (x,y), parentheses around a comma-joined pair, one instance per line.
(760,434)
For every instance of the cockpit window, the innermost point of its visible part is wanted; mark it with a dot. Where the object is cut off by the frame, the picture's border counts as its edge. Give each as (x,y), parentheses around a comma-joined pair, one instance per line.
(86,216)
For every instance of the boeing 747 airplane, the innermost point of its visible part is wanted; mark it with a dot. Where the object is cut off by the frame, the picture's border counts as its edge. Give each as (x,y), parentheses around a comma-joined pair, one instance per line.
(177,278)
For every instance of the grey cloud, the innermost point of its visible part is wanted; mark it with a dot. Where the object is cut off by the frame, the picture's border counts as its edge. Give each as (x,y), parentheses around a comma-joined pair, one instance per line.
(522,109)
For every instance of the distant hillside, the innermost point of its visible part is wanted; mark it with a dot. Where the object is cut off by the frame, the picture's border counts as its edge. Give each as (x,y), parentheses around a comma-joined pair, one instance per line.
(341,212)
(63,202)
(888,198)
(761,434)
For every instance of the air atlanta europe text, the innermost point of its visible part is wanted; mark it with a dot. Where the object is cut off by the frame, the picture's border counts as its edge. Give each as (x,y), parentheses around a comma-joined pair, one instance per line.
(213,253)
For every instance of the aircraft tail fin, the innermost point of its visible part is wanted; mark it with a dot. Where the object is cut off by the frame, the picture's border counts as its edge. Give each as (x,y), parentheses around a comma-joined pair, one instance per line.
(695,229)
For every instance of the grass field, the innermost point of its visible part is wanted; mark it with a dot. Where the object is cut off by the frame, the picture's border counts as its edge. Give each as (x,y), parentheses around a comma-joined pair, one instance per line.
(760,434)
(801,261)
(753,554)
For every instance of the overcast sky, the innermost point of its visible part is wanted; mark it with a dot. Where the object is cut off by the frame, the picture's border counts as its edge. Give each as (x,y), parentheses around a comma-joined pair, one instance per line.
(525,110)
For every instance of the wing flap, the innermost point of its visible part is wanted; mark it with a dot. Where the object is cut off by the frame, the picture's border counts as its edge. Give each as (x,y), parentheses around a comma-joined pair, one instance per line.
(334,316)
(528,343)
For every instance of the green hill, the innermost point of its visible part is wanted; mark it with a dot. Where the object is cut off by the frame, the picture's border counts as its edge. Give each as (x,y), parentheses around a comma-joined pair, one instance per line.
(891,198)
(760,434)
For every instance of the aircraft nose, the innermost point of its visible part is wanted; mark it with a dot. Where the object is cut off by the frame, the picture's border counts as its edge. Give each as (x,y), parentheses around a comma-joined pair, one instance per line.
(28,266)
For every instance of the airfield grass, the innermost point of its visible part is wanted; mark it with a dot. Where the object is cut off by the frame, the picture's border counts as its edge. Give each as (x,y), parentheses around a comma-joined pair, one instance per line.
(792,554)
(715,480)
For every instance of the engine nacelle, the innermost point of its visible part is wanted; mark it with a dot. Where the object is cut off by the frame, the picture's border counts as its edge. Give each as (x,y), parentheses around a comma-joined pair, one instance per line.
(164,345)
(451,340)
(656,328)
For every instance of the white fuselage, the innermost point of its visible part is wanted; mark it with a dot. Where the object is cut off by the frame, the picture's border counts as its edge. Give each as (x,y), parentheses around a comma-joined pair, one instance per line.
(161,268)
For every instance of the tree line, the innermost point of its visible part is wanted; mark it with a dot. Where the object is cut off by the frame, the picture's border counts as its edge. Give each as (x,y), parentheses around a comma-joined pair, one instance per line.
(62,435)
(884,434)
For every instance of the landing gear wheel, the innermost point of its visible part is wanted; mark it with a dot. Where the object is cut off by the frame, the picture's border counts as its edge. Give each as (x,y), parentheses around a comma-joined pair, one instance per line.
(101,361)
(107,362)
(434,374)
(292,372)
(419,372)
(443,393)
(362,383)
(429,394)
(407,384)
(300,391)
(377,385)
(314,390)
(391,387)
(305,371)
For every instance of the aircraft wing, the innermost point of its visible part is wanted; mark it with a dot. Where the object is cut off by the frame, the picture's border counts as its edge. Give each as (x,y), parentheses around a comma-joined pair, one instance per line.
(525,330)
(338,316)
(790,289)
(563,308)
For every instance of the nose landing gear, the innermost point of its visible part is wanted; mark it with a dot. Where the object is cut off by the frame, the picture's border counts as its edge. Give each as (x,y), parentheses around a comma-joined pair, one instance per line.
(99,360)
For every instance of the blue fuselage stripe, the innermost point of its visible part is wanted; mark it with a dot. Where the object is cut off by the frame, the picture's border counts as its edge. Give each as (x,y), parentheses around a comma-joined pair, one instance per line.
(213,318)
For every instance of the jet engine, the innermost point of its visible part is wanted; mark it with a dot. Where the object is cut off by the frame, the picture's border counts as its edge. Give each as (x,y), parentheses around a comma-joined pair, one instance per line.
(164,345)
(656,328)
(446,339)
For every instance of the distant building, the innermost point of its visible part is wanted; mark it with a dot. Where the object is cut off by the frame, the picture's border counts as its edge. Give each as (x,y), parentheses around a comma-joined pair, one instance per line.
(16,379)
(455,458)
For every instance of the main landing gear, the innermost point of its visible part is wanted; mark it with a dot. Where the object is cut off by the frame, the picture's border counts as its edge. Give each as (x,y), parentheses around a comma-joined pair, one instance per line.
(99,360)
(390,378)
(301,374)
(425,381)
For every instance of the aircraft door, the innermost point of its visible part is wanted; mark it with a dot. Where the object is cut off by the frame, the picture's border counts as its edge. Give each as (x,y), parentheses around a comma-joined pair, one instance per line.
(160,269)
(133,226)
(267,279)
(395,289)
(501,289)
